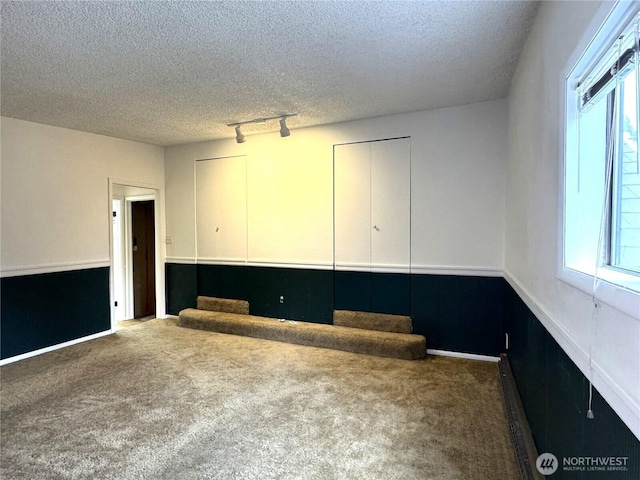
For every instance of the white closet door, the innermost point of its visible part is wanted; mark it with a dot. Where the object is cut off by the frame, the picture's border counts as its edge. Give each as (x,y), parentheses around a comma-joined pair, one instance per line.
(352,207)
(391,205)
(221,209)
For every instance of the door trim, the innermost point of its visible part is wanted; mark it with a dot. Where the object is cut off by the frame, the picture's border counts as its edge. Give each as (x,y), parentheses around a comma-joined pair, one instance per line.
(130,296)
(157,195)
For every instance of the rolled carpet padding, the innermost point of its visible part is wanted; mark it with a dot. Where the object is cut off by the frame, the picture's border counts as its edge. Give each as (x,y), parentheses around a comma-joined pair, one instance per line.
(370,342)
(222,305)
(372,321)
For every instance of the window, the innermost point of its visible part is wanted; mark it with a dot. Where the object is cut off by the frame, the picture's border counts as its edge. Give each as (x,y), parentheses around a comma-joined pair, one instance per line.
(601,238)
(624,224)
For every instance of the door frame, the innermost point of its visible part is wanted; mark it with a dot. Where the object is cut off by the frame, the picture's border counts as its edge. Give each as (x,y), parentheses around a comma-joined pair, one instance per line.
(129,293)
(155,194)
(120,269)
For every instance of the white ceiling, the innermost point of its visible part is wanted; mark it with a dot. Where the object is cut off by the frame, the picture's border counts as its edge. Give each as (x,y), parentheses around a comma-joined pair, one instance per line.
(176,72)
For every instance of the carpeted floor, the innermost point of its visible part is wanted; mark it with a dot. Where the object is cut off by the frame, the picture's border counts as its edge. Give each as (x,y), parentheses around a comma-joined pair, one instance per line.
(156,401)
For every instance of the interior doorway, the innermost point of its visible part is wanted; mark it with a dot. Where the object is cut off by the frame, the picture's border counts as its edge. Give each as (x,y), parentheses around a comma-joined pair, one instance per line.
(134,253)
(143,252)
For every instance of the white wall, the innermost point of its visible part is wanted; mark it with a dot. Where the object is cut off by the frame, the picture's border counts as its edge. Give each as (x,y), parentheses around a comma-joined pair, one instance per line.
(55,209)
(533,209)
(458,157)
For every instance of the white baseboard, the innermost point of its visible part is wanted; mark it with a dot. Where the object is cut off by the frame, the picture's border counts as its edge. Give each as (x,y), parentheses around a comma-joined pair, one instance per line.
(54,347)
(468,356)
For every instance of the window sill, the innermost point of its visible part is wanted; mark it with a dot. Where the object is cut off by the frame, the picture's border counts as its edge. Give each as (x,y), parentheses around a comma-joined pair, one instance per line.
(615,288)
(620,279)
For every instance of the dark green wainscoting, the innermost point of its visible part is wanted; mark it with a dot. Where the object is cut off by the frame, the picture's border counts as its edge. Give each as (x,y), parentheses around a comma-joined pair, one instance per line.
(308,294)
(373,292)
(555,395)
(181,289)
(459,314)
(39,311)
(462,314)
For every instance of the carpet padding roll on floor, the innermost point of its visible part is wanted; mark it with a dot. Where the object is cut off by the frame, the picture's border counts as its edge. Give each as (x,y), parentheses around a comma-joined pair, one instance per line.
(371,342)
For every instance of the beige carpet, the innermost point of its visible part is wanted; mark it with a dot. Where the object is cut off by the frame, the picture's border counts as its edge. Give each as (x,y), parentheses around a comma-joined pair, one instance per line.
(156,401)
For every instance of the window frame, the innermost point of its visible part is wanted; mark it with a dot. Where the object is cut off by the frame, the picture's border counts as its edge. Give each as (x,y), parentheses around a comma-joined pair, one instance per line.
(614,219)
(616,287)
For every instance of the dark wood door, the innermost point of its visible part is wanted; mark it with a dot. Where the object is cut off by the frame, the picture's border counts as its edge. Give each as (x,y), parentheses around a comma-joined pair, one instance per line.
(144,271)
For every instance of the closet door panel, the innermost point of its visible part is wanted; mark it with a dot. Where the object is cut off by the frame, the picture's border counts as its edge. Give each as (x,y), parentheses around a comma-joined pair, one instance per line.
(221,209)
(391,205)
(352,209)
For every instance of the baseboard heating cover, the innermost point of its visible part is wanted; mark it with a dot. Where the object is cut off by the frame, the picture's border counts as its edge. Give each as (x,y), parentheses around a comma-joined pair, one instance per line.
(521,437)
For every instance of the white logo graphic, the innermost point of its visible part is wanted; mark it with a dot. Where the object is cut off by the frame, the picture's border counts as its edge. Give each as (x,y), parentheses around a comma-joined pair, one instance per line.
(547,464)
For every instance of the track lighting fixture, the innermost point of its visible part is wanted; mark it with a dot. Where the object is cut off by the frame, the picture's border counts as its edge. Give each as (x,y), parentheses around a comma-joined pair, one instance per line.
(239,135)
(284,130)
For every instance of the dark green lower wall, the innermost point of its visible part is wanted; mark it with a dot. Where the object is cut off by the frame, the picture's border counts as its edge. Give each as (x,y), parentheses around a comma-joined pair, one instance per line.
(555,395)
(181,284)
(462,314)
(308,294)
(39,311)
(373,292)
(459,314)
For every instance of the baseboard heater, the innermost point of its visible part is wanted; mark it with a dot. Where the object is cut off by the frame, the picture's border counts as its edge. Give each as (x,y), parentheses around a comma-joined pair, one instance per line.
(521,437)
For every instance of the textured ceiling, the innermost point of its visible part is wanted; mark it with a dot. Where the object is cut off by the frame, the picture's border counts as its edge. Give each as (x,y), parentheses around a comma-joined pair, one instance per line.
(176,72)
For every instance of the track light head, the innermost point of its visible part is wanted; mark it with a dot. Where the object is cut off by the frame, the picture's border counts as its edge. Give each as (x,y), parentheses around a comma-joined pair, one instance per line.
(239,135)
(284,130)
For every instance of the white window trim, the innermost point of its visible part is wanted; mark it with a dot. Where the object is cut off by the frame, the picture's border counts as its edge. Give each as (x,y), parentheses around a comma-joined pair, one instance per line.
(613,287)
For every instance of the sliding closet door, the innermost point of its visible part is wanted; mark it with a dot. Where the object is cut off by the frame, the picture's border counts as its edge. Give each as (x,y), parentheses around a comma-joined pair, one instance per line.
(390,206)
(352,201)
(372,200)
(221,210)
